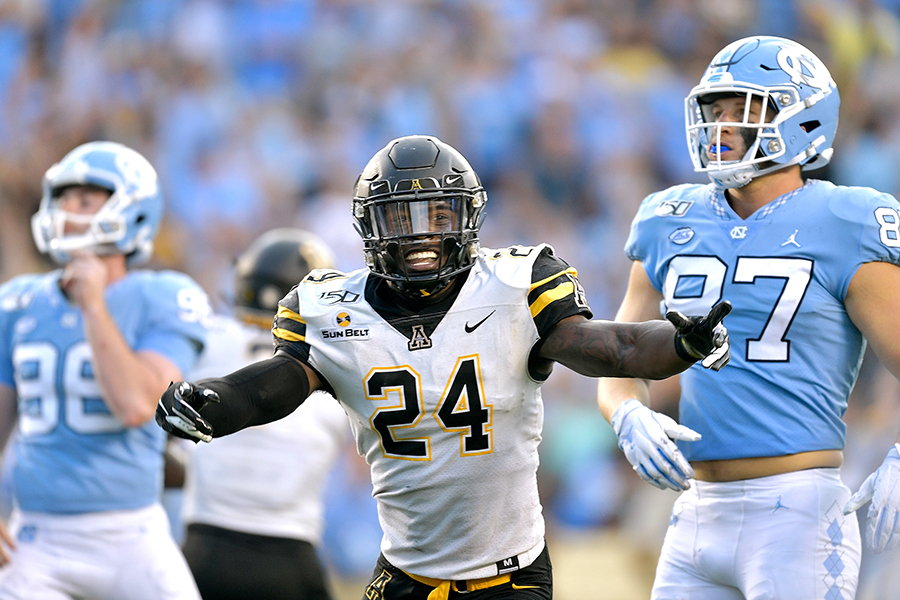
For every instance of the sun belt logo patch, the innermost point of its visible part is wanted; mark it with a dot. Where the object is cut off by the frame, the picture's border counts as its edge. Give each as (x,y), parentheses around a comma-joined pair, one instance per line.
(344,332)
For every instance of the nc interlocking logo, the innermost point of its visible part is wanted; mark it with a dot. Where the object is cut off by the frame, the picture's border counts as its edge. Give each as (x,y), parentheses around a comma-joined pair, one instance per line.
(739,232)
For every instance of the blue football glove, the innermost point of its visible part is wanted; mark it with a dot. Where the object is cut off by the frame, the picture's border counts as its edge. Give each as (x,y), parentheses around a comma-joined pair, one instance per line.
(883,488)
(644,438)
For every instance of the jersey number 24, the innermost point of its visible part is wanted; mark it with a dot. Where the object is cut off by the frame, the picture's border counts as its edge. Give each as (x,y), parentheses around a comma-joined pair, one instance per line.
(461,410)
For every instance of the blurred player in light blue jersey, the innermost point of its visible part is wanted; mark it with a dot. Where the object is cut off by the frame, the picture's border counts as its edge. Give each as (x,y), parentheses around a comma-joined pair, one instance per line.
(812,271)
(85,352)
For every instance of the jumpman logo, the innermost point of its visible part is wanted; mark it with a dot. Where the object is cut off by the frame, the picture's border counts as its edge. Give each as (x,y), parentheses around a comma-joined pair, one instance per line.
(778,505)
(792,239)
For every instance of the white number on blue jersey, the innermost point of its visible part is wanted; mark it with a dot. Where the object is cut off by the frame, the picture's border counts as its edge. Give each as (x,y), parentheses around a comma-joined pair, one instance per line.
(462,409)
(797,272)
(695,283)
(890,226)
(35,371)
(39,412)
(193,305)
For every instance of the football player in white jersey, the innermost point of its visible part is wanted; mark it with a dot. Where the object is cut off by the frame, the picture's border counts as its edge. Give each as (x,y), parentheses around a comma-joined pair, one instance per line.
(812,269)
(253,500)
(437,352)
(84,352)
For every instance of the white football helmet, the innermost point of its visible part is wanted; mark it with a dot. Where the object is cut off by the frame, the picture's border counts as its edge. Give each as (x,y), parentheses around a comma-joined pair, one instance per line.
(799,118)
(126,224)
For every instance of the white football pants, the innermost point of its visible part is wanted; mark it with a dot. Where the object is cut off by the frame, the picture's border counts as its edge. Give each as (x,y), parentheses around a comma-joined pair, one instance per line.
(121,555)
(780,537)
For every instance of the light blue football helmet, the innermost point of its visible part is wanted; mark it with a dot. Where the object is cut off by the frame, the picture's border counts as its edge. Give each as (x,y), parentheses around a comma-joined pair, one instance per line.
(799,117)
(128,222)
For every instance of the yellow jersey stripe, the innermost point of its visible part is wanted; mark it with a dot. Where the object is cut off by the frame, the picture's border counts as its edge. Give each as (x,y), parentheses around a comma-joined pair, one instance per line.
(551,295)
(287,335)
(537,284)
(285,312)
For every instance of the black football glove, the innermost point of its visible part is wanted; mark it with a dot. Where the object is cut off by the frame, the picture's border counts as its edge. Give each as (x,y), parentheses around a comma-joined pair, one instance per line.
(703,338)
(178,411)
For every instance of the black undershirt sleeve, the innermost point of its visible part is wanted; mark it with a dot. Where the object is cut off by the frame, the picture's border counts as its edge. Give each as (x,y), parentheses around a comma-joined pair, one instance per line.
(259,393)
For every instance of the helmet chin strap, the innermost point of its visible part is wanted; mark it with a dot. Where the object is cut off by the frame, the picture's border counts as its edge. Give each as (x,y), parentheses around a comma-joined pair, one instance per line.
(729,179)
(741,175)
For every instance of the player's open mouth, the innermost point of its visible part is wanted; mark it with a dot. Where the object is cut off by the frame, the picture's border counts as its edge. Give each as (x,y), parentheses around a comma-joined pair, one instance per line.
(421,259)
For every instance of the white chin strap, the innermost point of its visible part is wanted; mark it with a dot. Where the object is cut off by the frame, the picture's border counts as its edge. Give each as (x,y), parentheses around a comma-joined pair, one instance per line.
(741,174)
(727,179)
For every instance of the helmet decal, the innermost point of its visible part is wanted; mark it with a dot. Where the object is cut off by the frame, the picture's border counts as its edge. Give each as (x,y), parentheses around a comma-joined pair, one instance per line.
(804,69)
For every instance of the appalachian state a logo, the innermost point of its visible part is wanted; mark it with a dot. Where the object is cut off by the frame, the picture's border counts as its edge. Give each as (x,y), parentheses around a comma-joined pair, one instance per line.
(419,339)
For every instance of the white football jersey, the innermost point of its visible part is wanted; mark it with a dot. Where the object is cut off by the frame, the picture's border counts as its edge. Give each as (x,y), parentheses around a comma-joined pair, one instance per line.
(442,402)
(265,480)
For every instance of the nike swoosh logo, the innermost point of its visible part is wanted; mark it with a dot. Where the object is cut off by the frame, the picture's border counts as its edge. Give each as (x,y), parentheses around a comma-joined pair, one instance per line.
(525,587)
(478,324)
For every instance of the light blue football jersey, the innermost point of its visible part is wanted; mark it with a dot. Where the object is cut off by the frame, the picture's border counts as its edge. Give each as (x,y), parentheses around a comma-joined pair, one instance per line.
(795,355)
(71,454)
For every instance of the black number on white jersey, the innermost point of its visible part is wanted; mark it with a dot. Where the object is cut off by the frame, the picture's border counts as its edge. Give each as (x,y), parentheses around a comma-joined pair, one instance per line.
(461,410)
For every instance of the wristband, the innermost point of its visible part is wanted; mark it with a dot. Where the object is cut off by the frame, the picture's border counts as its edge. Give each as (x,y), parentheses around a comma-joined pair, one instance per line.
(682,351)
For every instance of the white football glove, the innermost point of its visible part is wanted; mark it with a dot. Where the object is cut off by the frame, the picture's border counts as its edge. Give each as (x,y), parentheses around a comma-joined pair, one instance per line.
(883,488)
(644,438)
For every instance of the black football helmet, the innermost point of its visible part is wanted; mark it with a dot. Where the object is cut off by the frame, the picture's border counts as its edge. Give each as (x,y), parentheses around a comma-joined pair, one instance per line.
(273,264)
(418,207)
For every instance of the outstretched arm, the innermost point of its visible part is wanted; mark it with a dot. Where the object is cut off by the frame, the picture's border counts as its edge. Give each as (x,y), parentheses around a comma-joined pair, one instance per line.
(262,392)
(610,349)
(650,350)
(641,303)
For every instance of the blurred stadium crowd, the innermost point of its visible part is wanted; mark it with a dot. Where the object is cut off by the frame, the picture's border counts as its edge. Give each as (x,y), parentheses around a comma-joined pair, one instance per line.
(260,113)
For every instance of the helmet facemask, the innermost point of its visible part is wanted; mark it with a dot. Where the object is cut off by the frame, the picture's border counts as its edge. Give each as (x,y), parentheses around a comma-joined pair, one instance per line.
(421,240)
(98,232)
(761,132)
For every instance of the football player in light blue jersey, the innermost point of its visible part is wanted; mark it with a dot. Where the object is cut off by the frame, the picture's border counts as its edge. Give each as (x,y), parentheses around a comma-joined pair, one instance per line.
(812,271)
(437,352)
(85,352)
